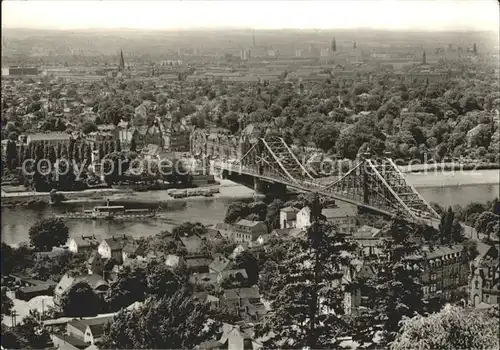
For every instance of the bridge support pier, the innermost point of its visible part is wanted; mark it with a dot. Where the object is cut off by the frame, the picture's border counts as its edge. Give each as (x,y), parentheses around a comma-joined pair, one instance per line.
(259,186)
(277,189)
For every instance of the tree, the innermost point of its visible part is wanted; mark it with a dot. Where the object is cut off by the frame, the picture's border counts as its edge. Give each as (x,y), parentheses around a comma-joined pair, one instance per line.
(156,326)
(11,340)
(54,268)
(451,328)
(89,127)
(306,293)
(268,272)
(29,334)
(273,214)
(487,223)
(7,303)
(48,233)
(11,155)
(247,260)
(198,121)
(235,212)
(325,137)
(364,131)
(6,256)
(133,146)
(259,209)
(394,291)
(187,229)
(129,287)
(275,110)
(80,300)
(231,121)
(160,280)
(450,229)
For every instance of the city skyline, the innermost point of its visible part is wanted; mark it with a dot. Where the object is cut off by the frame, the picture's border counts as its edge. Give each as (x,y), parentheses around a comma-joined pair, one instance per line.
(383,14)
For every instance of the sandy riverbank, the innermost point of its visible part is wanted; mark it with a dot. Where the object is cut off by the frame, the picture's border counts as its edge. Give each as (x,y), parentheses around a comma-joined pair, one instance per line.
(442,167)
(30,199)
(227,189)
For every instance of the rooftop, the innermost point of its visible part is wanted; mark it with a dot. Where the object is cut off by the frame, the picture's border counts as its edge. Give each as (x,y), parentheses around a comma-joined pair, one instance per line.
(82,324)
(49,136)
(441,251)
(339,212)
(76,342)
(290,210)
(366,231)
(242,293)
(248,223)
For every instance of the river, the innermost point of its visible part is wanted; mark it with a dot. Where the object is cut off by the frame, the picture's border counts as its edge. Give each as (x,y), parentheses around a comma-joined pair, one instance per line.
(445,188)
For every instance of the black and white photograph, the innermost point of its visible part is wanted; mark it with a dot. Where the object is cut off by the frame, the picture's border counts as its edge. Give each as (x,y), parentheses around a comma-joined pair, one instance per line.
(250,174)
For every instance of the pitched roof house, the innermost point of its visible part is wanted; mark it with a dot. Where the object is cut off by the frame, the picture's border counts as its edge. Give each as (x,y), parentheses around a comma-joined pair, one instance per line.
(198,263)
(82,243)
(219,264)
(111,248)
(96,282)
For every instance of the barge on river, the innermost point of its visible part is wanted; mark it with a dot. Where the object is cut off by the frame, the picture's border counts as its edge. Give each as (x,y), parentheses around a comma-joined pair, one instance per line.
(206,192)
(110,212)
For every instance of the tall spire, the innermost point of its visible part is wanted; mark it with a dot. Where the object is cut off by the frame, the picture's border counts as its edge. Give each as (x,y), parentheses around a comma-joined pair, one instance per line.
(121,67)
(424,58)
(253,37)
(334,45)
(354,46)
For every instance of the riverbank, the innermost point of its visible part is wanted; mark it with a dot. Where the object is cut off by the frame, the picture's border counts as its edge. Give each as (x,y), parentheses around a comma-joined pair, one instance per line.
(34,199)
(129,198)
(442,167)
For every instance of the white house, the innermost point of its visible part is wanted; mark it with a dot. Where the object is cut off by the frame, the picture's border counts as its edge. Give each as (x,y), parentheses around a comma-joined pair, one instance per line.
(255,228)
(93,333)
(112,248)
(173,261)
(343,217)
(95,264)
(232,234)
(288,217)
(240,248)
(82,244)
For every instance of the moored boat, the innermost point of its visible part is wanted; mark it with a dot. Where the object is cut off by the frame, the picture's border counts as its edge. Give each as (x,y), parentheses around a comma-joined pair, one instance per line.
(110,212)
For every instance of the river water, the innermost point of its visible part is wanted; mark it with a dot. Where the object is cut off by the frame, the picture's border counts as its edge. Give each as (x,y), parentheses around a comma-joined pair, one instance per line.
(445,188)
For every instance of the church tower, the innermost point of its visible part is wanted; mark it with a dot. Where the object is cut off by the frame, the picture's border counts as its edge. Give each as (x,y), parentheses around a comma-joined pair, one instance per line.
(334,45)
(121,66)
(424,59)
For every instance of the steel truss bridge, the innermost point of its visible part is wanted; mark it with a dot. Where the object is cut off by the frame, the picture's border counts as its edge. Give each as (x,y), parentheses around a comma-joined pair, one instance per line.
(374,184)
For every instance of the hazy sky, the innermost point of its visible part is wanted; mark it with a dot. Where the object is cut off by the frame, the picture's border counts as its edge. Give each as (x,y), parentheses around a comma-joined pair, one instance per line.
(166,14)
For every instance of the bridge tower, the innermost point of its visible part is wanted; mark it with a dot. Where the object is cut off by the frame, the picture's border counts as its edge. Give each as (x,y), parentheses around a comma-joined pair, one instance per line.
(364,177)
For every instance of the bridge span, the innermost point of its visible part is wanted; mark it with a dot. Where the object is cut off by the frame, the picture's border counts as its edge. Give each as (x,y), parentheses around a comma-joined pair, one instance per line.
(373,183)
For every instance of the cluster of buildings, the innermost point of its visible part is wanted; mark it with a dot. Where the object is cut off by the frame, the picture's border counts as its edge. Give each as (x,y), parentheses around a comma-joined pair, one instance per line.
(446,272)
